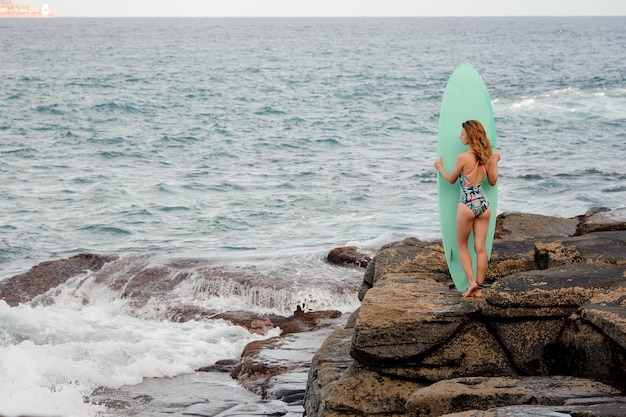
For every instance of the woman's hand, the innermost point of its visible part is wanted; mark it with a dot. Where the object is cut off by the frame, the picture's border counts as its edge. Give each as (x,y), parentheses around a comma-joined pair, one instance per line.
(451,178)
(492,169)
(439,164)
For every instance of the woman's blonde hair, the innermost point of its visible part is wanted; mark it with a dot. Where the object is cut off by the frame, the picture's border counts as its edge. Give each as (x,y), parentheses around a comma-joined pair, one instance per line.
(478,140)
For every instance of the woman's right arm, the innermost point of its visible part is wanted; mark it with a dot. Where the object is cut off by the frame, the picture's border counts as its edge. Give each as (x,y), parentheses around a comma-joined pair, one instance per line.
(492,169)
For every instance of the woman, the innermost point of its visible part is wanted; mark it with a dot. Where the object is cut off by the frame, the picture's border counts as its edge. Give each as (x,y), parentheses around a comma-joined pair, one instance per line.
(473,212)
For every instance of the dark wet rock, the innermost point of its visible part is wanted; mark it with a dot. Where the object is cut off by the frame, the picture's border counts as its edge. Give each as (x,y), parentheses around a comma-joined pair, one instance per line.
(48,275)
(277,368)
(224,365)
(562,286)
(300,321)
(348,256)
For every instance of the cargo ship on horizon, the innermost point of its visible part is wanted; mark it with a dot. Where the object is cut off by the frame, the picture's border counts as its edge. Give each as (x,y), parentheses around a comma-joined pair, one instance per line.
(9,9)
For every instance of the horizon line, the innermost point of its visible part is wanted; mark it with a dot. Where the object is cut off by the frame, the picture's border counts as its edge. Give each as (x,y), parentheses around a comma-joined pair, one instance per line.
(330,16)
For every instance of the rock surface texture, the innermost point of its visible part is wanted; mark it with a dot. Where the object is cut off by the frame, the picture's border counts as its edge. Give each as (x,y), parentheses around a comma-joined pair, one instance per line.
(548,337)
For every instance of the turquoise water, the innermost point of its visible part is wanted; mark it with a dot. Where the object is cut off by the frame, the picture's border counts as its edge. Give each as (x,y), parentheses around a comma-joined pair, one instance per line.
(255,146)
(215,137)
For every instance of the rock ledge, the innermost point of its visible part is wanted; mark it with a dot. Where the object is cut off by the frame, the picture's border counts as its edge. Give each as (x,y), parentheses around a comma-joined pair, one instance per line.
(547,338)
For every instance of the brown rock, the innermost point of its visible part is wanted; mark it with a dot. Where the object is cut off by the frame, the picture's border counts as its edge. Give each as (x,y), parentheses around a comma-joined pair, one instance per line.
(402,317)
(337,387)
(531,344)
(533,226)
(555,307)
(47,275)
(301,321)
(471,351)
(607,311)
(152,282)
(588,407)
(348,256)
(412,255)
(464,394)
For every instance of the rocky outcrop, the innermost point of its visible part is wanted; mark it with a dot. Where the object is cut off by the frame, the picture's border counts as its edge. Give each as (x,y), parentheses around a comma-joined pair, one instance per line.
(48,275)
(550,330)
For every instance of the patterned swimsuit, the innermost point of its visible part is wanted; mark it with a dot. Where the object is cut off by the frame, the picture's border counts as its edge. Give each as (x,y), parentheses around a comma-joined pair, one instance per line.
(473,196)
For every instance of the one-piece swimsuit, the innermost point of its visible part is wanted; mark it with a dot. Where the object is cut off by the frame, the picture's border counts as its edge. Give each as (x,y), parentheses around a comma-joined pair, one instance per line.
(473,196)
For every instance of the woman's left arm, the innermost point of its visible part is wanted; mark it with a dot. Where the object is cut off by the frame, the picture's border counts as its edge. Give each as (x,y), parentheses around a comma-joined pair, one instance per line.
(456,171)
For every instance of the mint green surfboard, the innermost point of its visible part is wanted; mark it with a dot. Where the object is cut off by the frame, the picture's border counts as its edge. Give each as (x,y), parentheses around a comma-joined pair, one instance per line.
(465,98)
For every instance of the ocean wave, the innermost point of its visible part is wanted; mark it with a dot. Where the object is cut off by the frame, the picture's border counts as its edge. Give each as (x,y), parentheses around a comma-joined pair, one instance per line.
(616,189)
(100,228)
(269,110)
(112,106)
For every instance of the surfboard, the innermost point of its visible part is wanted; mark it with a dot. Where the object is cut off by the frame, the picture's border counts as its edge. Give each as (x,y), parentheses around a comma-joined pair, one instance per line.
(465,98)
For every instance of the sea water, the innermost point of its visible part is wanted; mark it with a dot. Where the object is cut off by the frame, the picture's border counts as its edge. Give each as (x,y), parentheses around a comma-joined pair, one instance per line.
(252,147)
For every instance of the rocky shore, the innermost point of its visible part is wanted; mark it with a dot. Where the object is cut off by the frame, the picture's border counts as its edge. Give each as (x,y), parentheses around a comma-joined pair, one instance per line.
(548,337)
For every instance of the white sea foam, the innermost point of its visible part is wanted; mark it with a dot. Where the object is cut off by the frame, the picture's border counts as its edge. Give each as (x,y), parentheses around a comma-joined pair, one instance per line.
(51,357)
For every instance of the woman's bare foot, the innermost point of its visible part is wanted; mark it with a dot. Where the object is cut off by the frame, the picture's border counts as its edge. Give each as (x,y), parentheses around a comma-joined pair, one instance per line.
(473,291)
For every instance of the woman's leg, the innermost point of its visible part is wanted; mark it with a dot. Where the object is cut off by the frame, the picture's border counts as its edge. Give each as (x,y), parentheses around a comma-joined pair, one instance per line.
(464,224)
(481,227)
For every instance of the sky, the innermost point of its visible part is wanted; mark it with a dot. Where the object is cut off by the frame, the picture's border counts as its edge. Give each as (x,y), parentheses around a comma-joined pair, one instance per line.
(323,8)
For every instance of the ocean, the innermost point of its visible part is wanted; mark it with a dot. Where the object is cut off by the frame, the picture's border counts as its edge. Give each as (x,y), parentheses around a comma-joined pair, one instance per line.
(248,149)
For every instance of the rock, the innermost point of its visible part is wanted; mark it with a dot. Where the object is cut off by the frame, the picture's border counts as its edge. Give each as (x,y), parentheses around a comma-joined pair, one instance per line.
(594,339)
(277,368)
(408,255)
(368,279)
(338,387)
(47,275)
(588,407)
(548,335)
(601,248)
(420,329)
(511,256)
(149,283)
(412,255)
(348,256)
(563,286)
(224,365)
(328,365)
(403,317)
(606,312)
(602,220)
(533,226)
(465,394)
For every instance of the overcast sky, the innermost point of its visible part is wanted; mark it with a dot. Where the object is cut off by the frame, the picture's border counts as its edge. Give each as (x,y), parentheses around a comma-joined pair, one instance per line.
(218,8)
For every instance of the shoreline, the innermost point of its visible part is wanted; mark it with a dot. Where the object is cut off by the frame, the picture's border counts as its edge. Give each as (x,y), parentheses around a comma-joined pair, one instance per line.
(267,368)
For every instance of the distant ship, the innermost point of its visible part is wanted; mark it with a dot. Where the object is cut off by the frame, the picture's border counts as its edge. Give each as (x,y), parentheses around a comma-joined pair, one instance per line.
(8,9)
